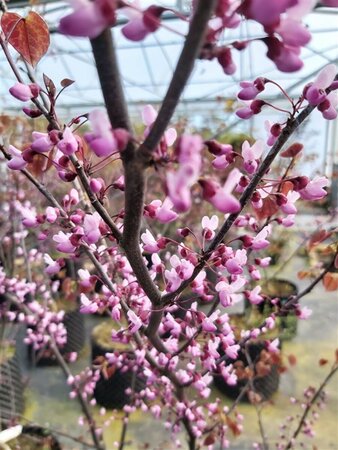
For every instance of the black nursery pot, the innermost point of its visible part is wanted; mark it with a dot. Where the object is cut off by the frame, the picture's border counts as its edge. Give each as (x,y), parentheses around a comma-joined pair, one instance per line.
(76,335)
(37,438)
(265,385)
(110,392)
(282,289)
(11,388)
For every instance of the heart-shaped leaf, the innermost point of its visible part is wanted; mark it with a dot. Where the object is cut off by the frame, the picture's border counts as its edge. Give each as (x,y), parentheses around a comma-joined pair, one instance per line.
(29,36)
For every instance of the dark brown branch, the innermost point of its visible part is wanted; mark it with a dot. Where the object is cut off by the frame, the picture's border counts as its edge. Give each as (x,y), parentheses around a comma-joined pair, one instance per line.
(183,70)
(109,76)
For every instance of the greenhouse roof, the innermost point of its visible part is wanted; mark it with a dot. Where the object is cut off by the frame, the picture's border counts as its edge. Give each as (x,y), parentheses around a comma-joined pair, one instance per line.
(147,66)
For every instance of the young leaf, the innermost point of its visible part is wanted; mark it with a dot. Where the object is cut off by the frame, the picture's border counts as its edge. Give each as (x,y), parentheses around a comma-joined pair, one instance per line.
(293,150)
(29,36)
(330,281)
(50,86)
(66,82)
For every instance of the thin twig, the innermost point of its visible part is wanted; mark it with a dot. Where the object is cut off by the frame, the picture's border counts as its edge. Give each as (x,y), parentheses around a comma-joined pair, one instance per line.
(309,405)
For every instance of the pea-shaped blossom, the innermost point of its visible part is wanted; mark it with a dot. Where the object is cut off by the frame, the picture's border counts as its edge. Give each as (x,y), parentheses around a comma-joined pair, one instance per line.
(228,292)
(89,18)
(220,196)
(149,115)
(141,23)
(63,242)
(135,322)
(91,228)
(328,107)
(180,182)
(24,92)
(103,140)
(251,155)
(259,241)
(254,295)
(315,93)
(250,89)
(149,242)
(17,162)
(235,264)
(314,189)
(41,142)
(161,211)
(209,226)
(68,144)
(52,266)
(289,207)
(88,306)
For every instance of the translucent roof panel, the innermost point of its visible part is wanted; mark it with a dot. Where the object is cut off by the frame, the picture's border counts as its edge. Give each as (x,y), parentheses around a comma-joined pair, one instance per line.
(147,66)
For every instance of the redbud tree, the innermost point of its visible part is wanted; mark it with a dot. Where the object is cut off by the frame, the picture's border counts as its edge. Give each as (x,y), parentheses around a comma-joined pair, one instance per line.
(166,277)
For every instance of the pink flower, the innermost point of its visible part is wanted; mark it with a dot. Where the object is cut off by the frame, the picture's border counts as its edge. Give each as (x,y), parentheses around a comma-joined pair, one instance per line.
(162,211)
(29,218)
(91,227)
(221,197)
(149,115)
(293,32)
(259,241)
(52,214)
(244,113)
(224,57)
(101,140)
(315,94)
(135,322)
(266,13)
(63,243)
(183,267)
(286,57)
(273,347)
(17,162)
(41,142)
(96,185)
(208,322)
(87,306)
(52,266)
(173,280)
(251,155)
(250,89)
(25,92)
(328,106)
(254,297)
(314,189)
(288,221)
(179,183)
(89,18)
(141,23)
(304,313)
(150,243)
(232,351)
(68,144)
(289,207)
(209,226)
(235,265)
(86,280)
(228,292)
